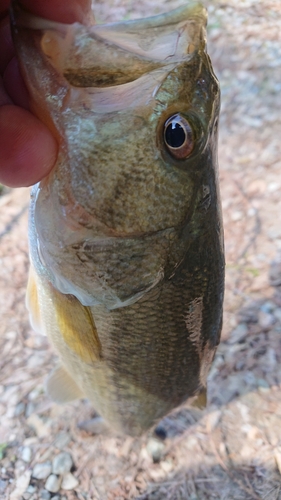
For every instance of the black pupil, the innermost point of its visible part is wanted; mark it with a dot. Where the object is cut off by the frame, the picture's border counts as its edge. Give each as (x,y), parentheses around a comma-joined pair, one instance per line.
(175,135)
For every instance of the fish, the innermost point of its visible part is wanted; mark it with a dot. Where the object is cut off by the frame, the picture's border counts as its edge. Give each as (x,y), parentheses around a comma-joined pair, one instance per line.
(126,234)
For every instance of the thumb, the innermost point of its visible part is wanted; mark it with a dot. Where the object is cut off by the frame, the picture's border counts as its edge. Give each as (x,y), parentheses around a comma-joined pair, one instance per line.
(27,148)
(63,11)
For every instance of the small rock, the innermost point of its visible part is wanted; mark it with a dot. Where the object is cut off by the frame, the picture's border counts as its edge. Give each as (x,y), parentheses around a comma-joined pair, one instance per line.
(62,440)
(262,383)
(249,378)
(244,410)
(31,489)
(275,272)
(40,427)
(253,433)
(45,495)
(62,463)
(26,454)
(167,466)
(240,365)
(273,186)
(277,314)
(3,485)
(266,320)
(42,471)
(19,466)
(4,410)
(270,360)
(235,387)
(160,432)
(238,334)
(192,443)
(53,483)
(213,420)
(155,449)
(30,440)
(35,393)
(30,407)
(246,451)
(248,314)
(277,456)
(96,425)
(268,306)
(56,497)
(19,409)
(22,483)
(237,215)
(69,482)
(264,390)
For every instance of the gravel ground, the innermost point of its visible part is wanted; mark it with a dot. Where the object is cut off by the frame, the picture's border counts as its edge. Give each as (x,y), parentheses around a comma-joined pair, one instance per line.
(232,450)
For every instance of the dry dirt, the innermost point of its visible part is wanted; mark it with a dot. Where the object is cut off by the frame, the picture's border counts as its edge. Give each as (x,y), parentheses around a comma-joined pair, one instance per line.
(232,450)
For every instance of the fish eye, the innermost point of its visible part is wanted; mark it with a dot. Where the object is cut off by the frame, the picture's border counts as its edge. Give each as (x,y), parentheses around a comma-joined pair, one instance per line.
(178,137)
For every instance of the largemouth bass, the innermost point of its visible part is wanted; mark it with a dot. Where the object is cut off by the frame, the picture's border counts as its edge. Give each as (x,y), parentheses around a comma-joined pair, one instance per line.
(127,272)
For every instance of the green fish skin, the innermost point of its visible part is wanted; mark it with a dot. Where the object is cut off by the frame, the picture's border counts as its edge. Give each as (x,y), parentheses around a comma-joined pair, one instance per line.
(126,238)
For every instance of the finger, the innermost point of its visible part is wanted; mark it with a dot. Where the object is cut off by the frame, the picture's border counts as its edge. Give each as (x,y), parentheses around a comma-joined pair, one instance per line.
(4,6)
(64,11)
(27,148)
(4,98)
(15,85)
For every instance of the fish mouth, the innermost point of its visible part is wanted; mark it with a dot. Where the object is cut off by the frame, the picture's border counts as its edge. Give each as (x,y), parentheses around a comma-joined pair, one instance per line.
(116,53)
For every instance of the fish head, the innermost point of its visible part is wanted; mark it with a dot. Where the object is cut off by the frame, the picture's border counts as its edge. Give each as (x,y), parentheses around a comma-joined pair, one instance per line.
(134,107)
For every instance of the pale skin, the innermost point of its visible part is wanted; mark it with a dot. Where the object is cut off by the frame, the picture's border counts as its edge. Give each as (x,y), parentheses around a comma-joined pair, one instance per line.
(27,149)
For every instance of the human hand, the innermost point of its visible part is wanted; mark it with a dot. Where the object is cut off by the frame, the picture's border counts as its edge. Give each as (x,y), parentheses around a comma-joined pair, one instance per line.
(27,148)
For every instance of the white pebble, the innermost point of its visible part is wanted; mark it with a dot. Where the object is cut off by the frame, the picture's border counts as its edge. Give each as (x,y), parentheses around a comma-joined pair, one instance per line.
(69,482)
(26,454)
(155,449)
(277,313)
(273,186)
(53,483)
(42,471)
(62,440)
(45,495)
(239,333)
(62,463)
(266,320)
(237,215)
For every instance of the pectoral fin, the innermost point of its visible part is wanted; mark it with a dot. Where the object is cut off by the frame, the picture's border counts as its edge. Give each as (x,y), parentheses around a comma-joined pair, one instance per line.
(62,316)
(61,387)
(76,325)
